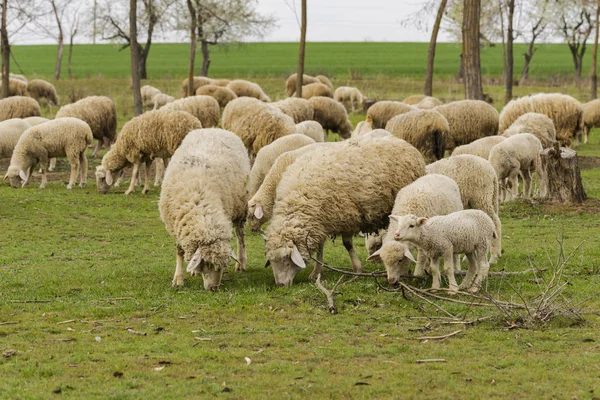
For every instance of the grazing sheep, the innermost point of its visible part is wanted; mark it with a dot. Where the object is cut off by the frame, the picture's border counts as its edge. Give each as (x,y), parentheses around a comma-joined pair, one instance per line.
(148,92)
(10,132)
(39,88)
(480,147)
(221,94)
(16,77)
(591,117)
(65,137)
(205,108)
(332,116)
(220,82)
(312,129)
(341,189)
(18,107)
(203,197)
(33,121)
(565,111)
(100,114)
(291,82)
(198,81)
(350,97)
(538,125)
(268,154)
(428,196)
(382,111)
(314,90)
(425,129)
(428,103)
(155,134)
(299,109)
(363,127)
(244,88)
(16,87)
(160,100)
(239,108)
(478,185)
(414,99)
(468,232)
(468,120)
(325,81)
(518,154)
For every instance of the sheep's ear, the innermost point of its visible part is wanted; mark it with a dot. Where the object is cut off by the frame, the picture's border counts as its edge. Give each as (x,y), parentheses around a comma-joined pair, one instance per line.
(267,263)
(376,257)
(394,218)
(297,257)
(23,175)
(6,176)
(262,235)
(109,178)
(421,221)
(258,212)
(409,255)
(232,255)
(194,262)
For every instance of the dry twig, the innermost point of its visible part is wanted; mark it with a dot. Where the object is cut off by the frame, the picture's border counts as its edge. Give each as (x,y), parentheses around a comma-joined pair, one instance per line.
(443,337)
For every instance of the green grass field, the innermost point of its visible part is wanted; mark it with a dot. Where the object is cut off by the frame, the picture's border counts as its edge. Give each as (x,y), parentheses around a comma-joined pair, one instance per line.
(78,269)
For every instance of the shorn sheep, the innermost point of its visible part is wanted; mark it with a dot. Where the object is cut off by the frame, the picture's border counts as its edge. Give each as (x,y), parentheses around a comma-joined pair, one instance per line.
(425,129)
(312,129)
(10,132)
(341,189)
(160,100)
(19,107)
(350,97)
(198,81)
(478,185)
(155,134)
(291,82)
(203,197)
(539,125)
(205,108)
(332,116)
(316,89)
(299,109)
(221,94)
(39,88)
(382,111)
(100,114)
(244,88)
(565,111)
(518,154)
(65,137)
(591,117)
(480,147)
(468,121)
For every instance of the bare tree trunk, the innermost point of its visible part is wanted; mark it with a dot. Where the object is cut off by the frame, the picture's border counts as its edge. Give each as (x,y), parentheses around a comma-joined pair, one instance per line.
(470,50)
(301,49)
(431,50)
(94,32)
(595,55)
(205,57)
(560,177)
(510,61)
(70,56)
(145,51)
(59,54)
(527,56)
(193,26)
(5,50)
(135,62)
(143,58)
(576,59)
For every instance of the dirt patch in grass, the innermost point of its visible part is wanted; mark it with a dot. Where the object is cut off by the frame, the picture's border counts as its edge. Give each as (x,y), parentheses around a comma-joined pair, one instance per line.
(588,162)
(591,206)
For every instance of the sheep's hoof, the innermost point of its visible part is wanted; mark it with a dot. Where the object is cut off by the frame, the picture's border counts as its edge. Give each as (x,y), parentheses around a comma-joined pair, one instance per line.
(494,259)
(452,292)
(157,184)
(177,281)
(128,192)
(69,187)
(145,191)
(240,268)
(474,289)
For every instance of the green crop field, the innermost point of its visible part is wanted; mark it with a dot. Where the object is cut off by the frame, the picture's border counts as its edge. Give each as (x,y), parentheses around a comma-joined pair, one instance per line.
(85,279)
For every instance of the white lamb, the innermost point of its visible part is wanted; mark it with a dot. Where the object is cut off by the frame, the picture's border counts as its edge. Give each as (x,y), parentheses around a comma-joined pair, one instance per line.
(312,129)
(10,132)
(480,147)
(350,97)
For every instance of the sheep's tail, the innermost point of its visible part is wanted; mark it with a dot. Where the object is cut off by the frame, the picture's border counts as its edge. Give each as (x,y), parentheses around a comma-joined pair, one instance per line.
(439,144)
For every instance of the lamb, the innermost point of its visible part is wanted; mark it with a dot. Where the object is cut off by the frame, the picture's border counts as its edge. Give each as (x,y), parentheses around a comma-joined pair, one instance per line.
(350,97)
(428,103)
(468,120)
(428,196)
(517,154)
(591,117)
(155,134)
(16,87)
(538,125)
(299,109)
(425,129)
(205,108)
(148,92)
(160,100)
(221,94)
(468,232)
(10,132)
(65,137)
(312,129)
(478,185)
(268,154)
(18,107)
(100,114)
(565,111)
(291,82)
(382,111)
(39,88)
(325,81)
(332,116)
(480,147)
(341,189)
(203,196)
(33,121)
(363,127)
(198,81)
(315,89)
(244,88)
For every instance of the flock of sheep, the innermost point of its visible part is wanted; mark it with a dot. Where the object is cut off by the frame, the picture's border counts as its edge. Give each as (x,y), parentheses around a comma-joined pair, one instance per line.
(270,163)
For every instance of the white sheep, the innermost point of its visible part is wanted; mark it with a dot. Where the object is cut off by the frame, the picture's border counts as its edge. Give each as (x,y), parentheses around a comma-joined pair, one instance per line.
(205,108)
(312,129)
(363,127)
(160,100)
(350,97)
(10,132)
(148,92)
(480,147)
(203,197)
(539,125)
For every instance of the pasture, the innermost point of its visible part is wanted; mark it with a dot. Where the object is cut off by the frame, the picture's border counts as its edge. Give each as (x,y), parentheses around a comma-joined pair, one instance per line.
(86,301)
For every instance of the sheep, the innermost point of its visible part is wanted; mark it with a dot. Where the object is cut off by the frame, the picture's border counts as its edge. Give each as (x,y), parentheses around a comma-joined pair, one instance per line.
(468,120)
(155,134)
(268,154)
(291,82)
(148,92)
(591,117)
(480,147)
(478,185)
(39,88)
(18,107)
(244,88)
(363,127)
(325,81)
(518,154)
(350,97)
(205,108)
(428,196)
(315,89)
(10,132)
(100,114)
(382,111)
(33,121)
(64,137)
(203,197)
(332,116)
(16,87)
(414,99)
(198,81)
(219,93)
(160,100)
(468,232)
(220,82)
(565,112)
(239,108)
(16,77)
(312,129)
(539,125)
(425,129)
(428,103)
(340,189)
(299,109)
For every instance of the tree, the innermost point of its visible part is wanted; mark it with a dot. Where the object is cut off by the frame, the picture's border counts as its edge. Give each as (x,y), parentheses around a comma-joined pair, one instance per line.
(74,22)
(58,10)
(135,62)
(431,50)
(575,26)
(193,26)
(470,50)
(507,46)
(302,48)
(595,55)
(5,49)
(536,30)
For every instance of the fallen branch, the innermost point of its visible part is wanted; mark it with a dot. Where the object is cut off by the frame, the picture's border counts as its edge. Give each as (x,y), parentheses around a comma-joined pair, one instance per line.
(414,292)
(136,332)
(9,323)
(504,273)
(443,337)
(30,301)
(328,293)
(431,360)
(367,274)
(66,322)
(118,298)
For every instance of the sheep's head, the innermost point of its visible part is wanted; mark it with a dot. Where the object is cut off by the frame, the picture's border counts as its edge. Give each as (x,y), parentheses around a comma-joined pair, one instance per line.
(104,179)
(396,257)
(408,228)
(255,216)
(16,176)
(286,262)
(210,275)
(373,242)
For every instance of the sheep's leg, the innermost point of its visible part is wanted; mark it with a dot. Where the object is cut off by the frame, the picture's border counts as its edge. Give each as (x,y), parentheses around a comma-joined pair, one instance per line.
(457,262)
(121,173)
(527,183)
(136,168)
(52,166)
(147,177)
(471,273)
(97,148)
(496,251)
(449,271)
(482,273)
(106,142)
(83,169)
(74,161)
(586,134)
(160,170)
(356,264)
(241,246)
(422,259)
(26,181)
(513,181)
(318,269)
(178,278)
(435,272)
